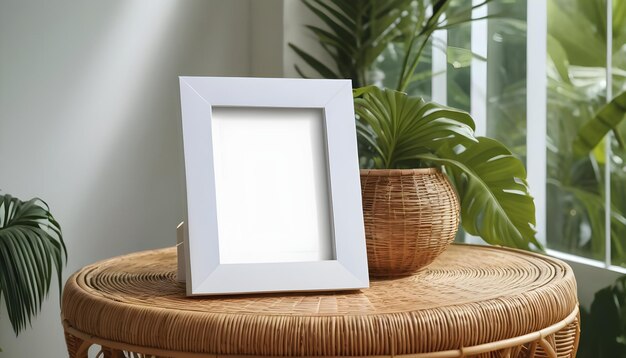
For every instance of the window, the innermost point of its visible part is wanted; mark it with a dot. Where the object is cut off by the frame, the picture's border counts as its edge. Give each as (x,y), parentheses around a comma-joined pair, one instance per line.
(536,72)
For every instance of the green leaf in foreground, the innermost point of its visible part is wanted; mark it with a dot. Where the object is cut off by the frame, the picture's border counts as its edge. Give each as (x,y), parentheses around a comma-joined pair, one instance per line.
(30,244)
(397,126)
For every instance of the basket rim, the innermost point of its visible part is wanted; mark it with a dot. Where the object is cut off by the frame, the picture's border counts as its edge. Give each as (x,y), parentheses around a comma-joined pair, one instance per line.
(398,172)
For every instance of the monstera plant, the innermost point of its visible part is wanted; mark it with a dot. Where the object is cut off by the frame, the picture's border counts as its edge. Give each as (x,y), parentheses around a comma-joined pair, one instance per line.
(397,131)
(400,131)
(31,248)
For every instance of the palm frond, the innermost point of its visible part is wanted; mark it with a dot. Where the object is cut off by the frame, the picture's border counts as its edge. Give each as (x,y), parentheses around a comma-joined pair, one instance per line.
(31,243)
(354,34)
(398,126)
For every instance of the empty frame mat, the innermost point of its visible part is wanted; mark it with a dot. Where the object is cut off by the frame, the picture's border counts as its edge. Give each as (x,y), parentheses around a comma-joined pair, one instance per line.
(271,184)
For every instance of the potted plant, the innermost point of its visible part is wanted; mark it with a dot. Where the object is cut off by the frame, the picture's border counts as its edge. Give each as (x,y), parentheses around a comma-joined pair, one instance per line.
(30,244)
(419,214)
(411,213)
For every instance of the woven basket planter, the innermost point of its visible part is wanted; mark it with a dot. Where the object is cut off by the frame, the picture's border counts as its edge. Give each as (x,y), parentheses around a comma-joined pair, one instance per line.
(411,216)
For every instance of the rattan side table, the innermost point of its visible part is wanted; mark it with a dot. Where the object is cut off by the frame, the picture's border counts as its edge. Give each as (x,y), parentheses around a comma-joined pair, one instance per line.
(471,302)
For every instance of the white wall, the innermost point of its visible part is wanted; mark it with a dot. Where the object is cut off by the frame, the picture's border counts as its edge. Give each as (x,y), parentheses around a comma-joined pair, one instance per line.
(590,280)
(89,121)
(267,37)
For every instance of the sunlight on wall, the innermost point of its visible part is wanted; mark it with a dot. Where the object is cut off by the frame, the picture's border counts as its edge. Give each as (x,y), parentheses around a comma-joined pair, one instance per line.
(114,73)
(90,121)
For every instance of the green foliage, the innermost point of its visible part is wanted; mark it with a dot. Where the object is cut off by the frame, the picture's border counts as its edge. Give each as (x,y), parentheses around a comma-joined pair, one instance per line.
(406,132)
(358,32)
(603,331)
(355,34)
(576,90)
(576,125)
(30,244)
(608,118)
(397,126)
(583,190)
(398,131)
(579,27)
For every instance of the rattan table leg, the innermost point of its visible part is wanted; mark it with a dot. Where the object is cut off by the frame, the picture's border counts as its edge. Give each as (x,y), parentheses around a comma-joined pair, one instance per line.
(547,348)
(506,353)
(576,328)
(76,347)
(112,353)
(117,354)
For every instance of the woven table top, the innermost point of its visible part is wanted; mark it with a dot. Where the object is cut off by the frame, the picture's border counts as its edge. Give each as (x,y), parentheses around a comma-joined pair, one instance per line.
(469,296)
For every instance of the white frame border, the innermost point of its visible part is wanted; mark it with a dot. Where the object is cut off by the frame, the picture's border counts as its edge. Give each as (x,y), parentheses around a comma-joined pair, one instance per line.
(204,273)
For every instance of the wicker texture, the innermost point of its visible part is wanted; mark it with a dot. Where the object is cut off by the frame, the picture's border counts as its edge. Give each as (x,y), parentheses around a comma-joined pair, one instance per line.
(411,216)
(470,296)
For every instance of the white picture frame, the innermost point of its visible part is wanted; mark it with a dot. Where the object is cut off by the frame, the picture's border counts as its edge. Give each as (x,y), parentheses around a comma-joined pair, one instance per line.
(273,188)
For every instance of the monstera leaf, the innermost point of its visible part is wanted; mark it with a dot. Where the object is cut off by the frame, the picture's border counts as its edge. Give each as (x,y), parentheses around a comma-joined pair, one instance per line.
(401,131)
(491,182)
(30,244)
